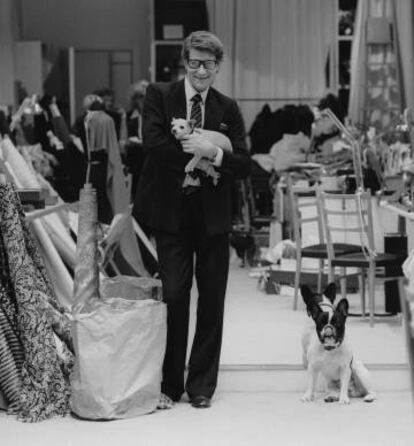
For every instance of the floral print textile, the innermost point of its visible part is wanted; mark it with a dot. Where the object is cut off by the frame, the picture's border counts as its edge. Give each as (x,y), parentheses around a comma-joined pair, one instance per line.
(30,311)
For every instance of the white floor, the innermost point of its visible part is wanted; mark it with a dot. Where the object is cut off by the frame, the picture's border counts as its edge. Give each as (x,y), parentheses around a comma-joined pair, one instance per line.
(236,419)
(262,328)
(258,397)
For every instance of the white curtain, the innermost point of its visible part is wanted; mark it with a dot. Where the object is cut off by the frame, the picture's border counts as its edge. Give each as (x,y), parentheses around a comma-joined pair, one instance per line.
(276,50)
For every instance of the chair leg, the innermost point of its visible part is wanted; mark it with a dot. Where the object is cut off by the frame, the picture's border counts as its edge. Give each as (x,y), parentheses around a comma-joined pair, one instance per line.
(320,274)
(342,281)
(361,280)
(297,280)
(401,292)
(331,273)
(371,294)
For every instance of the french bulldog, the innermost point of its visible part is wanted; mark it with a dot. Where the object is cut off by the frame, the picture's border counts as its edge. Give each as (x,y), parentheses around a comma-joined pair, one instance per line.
(326,352)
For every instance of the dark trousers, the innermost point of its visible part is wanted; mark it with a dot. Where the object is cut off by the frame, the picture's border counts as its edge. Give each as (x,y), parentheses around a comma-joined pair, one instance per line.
(179,256)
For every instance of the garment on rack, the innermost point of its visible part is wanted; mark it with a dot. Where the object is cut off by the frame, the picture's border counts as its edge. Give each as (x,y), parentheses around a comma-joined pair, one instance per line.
(35,340)
(103,145)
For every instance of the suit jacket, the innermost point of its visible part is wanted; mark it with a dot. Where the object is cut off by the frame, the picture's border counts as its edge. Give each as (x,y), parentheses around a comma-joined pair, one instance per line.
(159,196)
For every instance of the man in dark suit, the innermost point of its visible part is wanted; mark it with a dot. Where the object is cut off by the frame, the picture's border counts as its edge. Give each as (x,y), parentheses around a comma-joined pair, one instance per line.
(191,222)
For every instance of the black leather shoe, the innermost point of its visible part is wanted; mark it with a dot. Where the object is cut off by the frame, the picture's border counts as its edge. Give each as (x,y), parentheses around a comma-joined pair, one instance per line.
(201,402)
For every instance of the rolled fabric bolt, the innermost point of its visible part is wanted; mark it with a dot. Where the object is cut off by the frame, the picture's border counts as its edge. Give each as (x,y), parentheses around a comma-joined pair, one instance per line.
(60,238)
(24,174)
(86,281)
(58,273)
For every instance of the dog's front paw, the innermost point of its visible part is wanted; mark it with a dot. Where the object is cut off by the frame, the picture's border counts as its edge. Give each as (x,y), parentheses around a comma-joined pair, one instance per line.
(344,400)
(331,398)
(369,397)
(307,397)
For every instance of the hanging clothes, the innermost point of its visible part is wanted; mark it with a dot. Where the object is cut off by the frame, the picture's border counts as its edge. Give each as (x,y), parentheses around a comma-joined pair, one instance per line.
(35,340)
(113,197)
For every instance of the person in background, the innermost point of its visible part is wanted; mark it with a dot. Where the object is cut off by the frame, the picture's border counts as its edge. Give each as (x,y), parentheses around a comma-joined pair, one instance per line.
(89,102)
(133,150)
(115,111)
(191,225)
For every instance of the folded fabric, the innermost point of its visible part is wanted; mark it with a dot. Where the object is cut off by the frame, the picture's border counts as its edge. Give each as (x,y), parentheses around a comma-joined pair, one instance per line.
(289,150)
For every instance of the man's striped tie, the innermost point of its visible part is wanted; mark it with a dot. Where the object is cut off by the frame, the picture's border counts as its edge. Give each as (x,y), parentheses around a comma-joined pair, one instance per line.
(196,111)
(198,123)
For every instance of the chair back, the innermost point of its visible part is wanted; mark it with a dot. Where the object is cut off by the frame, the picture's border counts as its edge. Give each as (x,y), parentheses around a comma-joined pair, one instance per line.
(305,216)
(347,218)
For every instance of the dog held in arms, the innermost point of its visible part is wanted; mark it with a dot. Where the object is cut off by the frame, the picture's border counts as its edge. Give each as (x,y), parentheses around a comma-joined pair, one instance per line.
(180,128)
(326,351)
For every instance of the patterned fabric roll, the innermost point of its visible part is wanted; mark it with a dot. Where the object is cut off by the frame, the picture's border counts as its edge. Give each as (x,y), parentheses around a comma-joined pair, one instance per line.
(11,360)
(35,316)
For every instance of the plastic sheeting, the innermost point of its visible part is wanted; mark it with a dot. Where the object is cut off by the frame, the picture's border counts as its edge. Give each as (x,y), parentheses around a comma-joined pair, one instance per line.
(119,333)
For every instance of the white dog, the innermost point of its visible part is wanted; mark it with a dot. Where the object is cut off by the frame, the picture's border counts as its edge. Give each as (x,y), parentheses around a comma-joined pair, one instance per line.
(181,127)
(326,352)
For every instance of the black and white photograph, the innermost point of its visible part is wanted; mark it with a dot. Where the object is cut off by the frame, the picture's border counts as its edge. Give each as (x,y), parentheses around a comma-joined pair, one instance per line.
(206,222)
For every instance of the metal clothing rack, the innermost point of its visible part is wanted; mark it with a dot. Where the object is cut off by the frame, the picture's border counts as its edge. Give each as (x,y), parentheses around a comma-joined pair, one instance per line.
(355,146)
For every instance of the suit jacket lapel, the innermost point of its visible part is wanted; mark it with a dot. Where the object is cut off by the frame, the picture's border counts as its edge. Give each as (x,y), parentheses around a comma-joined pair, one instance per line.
(213,112)
(177,108)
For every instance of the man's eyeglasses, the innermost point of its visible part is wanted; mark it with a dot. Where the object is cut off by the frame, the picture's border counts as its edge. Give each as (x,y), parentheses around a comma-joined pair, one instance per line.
(195,64)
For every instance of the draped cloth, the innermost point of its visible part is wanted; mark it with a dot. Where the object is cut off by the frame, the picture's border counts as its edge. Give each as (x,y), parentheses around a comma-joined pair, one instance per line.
(102,136)
(35,341)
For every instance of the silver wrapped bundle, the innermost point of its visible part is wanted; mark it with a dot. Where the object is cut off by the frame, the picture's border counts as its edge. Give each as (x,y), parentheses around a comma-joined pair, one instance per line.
(86,281)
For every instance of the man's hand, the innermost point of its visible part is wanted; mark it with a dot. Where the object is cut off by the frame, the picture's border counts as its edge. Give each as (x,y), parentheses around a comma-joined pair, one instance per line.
(199,145)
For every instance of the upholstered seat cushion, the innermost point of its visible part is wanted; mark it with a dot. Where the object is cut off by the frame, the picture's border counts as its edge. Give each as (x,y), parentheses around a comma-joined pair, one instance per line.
(320,251)
(359,260)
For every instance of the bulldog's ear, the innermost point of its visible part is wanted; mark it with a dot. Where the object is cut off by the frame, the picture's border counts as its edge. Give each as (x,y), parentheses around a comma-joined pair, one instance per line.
(307,294)
(343,307)
(330,292)
(309,299)
(313,310)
